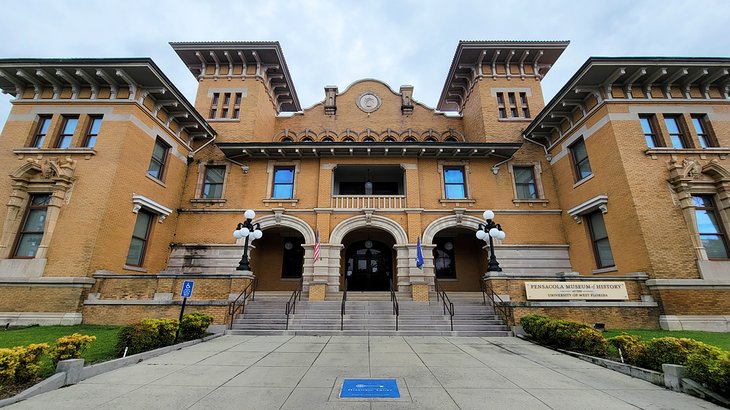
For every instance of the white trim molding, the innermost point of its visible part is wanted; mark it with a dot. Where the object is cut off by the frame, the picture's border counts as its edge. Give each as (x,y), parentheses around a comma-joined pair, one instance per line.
(141,201)
(598,202)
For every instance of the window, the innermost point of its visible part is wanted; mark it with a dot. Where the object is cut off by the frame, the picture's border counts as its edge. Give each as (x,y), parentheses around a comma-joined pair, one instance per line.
(524,106)
(676,131)
(226,103)
(580,160)
(293,260)
(214,105)
(43,123)
(709,226)
(140,235)
(283,183)
(67,132)
(648,125)
(599,237)
(699,121)
(454,185)
(500,106)
(213,182)
(93,132)
(443,258)
(159,157)
(525,182)
(237,106)
(512,104)
(33,226)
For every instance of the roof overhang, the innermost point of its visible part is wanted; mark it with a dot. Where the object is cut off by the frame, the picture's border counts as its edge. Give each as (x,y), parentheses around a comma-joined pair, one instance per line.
(442,150)
(599,75)
(266,56)
(140,75)
(471,56)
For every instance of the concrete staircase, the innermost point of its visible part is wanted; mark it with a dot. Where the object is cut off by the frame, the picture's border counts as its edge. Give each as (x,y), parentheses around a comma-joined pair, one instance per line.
(369,313)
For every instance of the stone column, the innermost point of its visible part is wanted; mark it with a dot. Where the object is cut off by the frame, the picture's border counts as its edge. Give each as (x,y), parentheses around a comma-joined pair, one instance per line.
(326,271)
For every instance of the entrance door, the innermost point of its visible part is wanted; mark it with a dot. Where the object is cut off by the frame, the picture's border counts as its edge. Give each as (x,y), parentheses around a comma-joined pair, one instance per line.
(369,266)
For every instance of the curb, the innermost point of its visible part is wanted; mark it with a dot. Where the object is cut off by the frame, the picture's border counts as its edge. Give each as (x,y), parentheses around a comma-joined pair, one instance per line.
(78,372)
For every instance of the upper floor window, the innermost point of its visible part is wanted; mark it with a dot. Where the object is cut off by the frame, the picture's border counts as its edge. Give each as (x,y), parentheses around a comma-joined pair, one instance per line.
(454,184)
(92,132)
(648,125)
(237,106)
(283,183)
(443,258)
(67,132)
(677,135)
(599,238)
(500,106)
(709,227)
(140,236)
(44,122)
(214,106)
(512,104)
(525,182)
(158,160)
(701,125)
(213,182)
(33,226)
(580,160)
(226,103)
(525,107)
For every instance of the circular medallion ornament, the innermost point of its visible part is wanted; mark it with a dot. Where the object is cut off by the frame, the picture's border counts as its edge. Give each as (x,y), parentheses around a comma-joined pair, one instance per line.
(288,246)
(368,102)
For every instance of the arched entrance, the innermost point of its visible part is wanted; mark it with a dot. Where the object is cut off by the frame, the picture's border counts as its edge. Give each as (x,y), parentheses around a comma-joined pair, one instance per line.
(367,260)
(459,259)
(278,258)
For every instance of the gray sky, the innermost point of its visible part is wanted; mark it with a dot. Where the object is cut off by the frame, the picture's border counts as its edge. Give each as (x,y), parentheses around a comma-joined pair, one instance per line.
(338,42)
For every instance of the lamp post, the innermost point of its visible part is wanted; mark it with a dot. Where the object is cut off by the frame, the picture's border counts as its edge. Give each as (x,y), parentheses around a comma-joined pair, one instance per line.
(491,230)
(247,230)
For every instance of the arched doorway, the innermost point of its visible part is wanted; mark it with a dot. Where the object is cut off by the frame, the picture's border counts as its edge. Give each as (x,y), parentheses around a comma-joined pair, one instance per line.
(278,258)
(459,259)
(367,261)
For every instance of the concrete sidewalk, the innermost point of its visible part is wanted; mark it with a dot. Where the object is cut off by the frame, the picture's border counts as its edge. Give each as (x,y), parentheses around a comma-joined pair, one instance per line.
(306,372)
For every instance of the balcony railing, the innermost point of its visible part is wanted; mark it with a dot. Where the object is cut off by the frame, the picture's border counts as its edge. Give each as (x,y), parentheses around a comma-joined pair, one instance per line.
(368,201)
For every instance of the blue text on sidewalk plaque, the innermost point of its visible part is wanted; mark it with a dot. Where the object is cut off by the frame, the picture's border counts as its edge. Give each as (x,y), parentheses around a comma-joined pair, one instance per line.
(187,289)
(370,388)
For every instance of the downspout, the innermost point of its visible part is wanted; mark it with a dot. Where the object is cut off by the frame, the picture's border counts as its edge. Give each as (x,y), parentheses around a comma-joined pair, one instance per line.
(548,157)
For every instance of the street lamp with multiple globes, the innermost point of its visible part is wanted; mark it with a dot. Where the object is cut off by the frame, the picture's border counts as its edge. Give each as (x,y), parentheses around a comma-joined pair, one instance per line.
(492,231)
(249,231)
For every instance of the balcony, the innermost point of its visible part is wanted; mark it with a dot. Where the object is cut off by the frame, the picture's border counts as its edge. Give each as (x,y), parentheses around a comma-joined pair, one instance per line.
(368,201)
(368,186)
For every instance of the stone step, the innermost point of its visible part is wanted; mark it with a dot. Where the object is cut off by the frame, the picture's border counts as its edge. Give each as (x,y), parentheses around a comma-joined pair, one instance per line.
(489,333)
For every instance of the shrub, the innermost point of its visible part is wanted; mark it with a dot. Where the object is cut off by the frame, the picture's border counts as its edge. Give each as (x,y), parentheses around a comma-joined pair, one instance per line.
(590,341)
(711,367)
(8,365)
(565,334)
(531,323)
(28,358)
(70,347)
(146,335)
(668,350)
(194,325)
(631,347)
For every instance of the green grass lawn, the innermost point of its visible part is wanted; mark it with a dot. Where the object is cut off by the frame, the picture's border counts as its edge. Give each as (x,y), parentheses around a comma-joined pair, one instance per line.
(103,348)
(721,340)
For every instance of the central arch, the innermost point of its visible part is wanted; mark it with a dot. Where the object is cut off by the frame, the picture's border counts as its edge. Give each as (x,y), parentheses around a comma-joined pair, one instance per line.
(364,221)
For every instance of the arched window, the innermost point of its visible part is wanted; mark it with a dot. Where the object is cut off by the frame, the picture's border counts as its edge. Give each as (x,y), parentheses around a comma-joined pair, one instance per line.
(409,139)
(348,139)
(327,139)
(306,139)
(368,139)
(450,139)
(389,139)
(430,139)
(287,139)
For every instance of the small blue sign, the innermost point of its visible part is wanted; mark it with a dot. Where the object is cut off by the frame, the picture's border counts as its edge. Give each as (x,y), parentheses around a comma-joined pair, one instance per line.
(187,289)
(370,388)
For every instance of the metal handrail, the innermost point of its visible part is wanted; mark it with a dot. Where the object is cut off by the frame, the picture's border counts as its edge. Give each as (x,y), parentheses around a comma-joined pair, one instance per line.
(342,306)
(394,300)
(240,302)
(291,304)
(503,309)
(441,295)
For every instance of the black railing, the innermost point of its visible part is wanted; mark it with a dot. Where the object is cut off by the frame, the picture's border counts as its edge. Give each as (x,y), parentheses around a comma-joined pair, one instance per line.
(291,304)
(394,300)
(444,298)
(342,306)
(503,309)
(240,302)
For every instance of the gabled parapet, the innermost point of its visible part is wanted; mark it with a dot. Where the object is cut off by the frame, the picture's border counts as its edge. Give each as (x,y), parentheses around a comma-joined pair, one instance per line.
(262,60)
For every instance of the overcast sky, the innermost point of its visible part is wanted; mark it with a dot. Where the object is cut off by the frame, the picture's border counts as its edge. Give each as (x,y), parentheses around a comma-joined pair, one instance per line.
(338,42)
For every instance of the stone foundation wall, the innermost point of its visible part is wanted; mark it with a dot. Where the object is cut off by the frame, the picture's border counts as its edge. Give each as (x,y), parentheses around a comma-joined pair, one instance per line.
(126,314)
(614,317)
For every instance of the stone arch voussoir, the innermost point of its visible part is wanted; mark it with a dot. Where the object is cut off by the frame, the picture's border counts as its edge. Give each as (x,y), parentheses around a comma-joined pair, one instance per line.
(364,221)
(465,221)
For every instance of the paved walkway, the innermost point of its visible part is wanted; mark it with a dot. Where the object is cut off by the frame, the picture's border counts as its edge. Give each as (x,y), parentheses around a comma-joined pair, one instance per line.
(306,372)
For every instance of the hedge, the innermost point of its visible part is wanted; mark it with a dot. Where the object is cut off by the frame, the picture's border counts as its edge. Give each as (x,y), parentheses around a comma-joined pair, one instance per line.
(565,334)
(149,334)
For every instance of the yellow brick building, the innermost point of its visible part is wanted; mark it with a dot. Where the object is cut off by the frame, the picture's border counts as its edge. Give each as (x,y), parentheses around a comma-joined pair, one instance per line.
(117,189)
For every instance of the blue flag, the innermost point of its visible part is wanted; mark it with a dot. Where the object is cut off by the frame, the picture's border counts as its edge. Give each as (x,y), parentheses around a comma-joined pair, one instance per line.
(419,254)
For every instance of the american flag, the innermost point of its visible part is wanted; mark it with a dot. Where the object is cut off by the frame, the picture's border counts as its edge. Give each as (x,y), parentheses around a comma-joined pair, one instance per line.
(316,247)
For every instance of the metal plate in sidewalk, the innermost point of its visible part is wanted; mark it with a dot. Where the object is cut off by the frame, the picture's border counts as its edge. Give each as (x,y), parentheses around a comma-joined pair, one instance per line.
(370,388)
